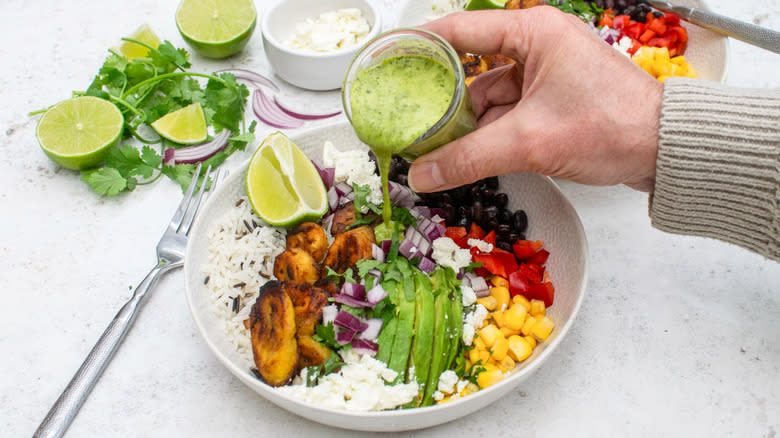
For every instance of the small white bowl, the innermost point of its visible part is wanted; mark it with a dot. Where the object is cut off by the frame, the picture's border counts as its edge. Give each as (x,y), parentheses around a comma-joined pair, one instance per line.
(311,70)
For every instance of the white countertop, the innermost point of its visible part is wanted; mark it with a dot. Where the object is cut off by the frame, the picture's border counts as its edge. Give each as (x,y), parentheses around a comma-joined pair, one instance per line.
(678,336)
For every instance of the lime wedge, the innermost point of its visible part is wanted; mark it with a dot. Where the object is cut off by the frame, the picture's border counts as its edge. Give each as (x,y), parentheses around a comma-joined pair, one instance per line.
(78,133)
(184,126)
(475,5)
(283,185)
(216,28)
(144,34)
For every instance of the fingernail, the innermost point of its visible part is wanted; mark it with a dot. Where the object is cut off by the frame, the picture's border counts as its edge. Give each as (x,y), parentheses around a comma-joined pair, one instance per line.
(425,177)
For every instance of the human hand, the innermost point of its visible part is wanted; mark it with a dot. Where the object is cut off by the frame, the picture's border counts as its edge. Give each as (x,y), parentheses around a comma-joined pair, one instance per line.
(572,106)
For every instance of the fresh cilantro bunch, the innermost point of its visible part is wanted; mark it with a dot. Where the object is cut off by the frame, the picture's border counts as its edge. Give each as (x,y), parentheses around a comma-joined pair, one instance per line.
(586,11)
(145,89)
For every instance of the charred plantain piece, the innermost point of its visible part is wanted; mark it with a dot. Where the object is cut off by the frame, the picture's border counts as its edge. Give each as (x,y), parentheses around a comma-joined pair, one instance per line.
(308,302)
(296,265)
(343,217)
(523,4)
(309,237)
(312,352)
(327,285)
(349,247)
(272,331)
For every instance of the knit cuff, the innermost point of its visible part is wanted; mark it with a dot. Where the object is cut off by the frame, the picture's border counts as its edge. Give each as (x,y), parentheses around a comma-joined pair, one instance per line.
(718,166)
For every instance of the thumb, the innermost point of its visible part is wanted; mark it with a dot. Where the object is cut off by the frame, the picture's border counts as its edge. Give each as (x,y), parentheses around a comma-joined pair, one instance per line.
(496,148)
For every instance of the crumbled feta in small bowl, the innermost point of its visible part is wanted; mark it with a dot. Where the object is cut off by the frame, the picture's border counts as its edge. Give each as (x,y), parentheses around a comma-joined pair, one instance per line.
(310,43)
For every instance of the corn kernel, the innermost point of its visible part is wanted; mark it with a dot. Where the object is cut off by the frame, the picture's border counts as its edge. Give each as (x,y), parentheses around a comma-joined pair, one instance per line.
(501,294)
(507,363)
(507,332)
(679,60)
(497,280)
(527,325)
(531,341)
(498,352)
(489,302)
(542,329)
(519,350)
(489,377)
(479,344)
(498,317)
(537,309)
(489,335)
(484,356)
(514,316)
(521,300)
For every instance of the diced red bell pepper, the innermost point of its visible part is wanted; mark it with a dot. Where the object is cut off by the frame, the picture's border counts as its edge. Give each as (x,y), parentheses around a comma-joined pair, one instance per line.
(539,258)
(455,233)
(635,46)
(682,34)
(621,21)
(490,237)
(646,36)
(542,291)
(507,259)
(534,273)
(606,18)
(658,26)
(475,232)
(660,42)
(522,252)
(489,262)
(634,30)
(518,283)
(671,19)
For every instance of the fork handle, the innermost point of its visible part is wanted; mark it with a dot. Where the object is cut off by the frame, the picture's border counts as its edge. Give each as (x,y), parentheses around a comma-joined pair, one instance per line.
(69,402)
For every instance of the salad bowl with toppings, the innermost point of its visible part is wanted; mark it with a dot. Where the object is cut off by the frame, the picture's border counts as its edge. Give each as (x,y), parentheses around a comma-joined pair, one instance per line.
(239,273)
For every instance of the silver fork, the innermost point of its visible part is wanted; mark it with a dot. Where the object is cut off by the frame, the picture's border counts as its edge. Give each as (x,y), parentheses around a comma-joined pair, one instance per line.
(170,255)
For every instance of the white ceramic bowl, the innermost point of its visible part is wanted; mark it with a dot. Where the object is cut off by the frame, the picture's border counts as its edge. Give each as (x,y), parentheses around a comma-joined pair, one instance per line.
(707,51)
(551,219)
(311,70)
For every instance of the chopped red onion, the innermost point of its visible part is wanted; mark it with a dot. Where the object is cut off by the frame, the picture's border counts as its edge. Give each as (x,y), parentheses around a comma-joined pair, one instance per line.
(250,76)
(327,222)
(426,265)
(375,273)
(329,313)
(374,327)
(479,285)
(270,114)
(421,211)
(349,301)
(376,294)
(364,346)
(344,337)
(349,321)
(333,198)
(328,174)
(342,188)
(354,290)
(386,244)
(299,115)
(408,250)
(401,195)
(197,153)
(377,253)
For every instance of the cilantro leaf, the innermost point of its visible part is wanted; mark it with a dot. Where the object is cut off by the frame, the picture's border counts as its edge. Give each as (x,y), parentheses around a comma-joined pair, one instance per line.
(105,180)
(129,161)
(326,335)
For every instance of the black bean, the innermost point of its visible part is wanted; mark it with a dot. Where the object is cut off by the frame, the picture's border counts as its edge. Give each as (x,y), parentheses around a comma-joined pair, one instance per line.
(476,193)
(402,179)
(446,198)
(489,213)
(488,194)
(520,221)
(464,211)
(514,237)
(476,211)
(504,216)
(449,213)
(658,14)
(492,182)
(490,225)
(506,246)
(609,4)
(503,230)
(620,4)
(500,200)
(463,222)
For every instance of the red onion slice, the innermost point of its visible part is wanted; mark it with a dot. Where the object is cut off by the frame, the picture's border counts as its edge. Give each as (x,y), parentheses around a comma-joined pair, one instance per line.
(254,78)
(196,153)
(354,290)
(270,114)
(376,294)
(374,327)
(364,346)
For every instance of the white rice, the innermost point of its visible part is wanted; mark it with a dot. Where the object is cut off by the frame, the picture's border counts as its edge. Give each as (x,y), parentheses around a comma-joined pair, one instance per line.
(240,262)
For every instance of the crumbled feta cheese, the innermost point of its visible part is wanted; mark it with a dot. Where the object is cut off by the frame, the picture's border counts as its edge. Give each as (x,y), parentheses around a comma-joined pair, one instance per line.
(331,31)
(481,245)
(354,167)
(623,45)
(477,316)
(447,253)
(468,296)
(360,385)
(468,334)
(447,382)
(438,396)
(462,385)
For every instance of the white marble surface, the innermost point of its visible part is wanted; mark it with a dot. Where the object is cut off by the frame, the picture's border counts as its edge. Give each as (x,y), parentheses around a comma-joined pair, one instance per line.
(678,336)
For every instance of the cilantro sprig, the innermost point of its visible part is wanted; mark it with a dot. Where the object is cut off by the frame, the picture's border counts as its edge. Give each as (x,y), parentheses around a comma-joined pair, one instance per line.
(145,89)
(586,11)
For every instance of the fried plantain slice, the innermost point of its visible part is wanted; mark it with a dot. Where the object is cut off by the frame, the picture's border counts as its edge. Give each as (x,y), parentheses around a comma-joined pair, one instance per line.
(309,237)
(343,217)
(349,247)
(273,334)
(312,352)
(296,265)
(327,285)
(308,302)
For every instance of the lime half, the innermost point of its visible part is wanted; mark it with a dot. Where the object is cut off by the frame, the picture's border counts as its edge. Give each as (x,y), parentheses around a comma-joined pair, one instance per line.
(144,34)
(475,5)
(184,126)
(78,133)
(216,28)
(283,185)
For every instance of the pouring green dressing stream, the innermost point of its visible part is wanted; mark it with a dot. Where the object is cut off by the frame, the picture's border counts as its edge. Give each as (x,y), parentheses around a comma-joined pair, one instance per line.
(408,98)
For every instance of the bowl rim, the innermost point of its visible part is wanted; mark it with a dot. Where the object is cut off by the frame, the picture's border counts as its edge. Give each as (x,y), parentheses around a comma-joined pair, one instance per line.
(268,392)
(268,37)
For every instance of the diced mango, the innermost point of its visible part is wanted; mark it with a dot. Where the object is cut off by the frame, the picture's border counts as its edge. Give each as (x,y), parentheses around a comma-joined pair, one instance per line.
(489,302)
(497,280)
(542,328)
(479,344)
(519,350)
(523,301)
(489,335)
(537,309)
(501,294)
(500,347)
(507,332)
(474,355)
(514,316)
(490,376)
(527,325)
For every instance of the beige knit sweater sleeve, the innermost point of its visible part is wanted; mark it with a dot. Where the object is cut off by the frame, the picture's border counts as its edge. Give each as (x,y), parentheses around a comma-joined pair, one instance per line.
(718,167)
